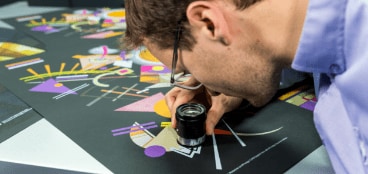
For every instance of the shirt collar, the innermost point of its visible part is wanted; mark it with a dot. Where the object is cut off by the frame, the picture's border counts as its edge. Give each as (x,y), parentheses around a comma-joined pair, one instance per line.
(321,44)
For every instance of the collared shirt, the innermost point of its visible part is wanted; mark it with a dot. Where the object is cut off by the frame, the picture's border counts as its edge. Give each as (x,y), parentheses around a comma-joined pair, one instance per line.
(334,47)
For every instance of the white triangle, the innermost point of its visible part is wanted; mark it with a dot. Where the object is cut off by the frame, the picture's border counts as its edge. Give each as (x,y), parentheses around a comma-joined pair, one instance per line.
(42,144)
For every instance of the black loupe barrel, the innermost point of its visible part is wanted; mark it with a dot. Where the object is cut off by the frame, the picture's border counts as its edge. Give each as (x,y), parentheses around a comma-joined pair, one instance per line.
(190,124)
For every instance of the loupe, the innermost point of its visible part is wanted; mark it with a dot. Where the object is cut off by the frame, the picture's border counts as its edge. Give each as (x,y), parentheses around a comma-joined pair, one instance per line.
(190,124)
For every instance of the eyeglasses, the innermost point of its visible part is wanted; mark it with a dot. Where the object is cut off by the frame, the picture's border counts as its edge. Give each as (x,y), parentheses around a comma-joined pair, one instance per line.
(180,80)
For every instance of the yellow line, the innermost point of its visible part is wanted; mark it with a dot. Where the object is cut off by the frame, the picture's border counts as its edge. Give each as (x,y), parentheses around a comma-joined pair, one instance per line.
(30,70)
(113,68)
(34,22)
(62,66)
(38,76)
(23,62)
(129,94)
(165,124)
(75,67)
(48,70)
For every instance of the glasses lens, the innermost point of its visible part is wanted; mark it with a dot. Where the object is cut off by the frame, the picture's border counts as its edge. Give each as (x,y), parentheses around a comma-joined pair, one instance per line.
(186,81)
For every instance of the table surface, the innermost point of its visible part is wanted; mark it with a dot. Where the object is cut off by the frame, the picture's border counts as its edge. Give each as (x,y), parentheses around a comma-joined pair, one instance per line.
(42,147)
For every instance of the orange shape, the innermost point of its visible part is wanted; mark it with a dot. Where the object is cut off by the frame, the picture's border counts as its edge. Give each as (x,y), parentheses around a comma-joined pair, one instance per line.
(58,85)
(158,68)
(146,55)
(161,109)
(149,79)
(117,14)
(221,132)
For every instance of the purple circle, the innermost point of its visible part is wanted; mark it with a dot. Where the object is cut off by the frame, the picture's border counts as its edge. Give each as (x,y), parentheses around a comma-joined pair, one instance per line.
(155,151)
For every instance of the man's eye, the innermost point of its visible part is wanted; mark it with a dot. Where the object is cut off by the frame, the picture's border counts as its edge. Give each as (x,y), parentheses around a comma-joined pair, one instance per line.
(186,73)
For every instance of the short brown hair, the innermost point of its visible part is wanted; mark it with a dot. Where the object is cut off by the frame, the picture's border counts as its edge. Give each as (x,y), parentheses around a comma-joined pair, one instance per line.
(157,20)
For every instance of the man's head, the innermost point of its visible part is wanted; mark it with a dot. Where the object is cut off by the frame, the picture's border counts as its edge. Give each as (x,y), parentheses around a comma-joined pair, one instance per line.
(233,47)
(158,21)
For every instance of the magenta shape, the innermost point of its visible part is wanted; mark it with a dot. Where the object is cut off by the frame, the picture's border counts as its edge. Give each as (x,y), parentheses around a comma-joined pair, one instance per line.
(122,54)
(144,105)
(309,105)
(49,86)
(108,21)
(149,69)
(155,151)
(43,28)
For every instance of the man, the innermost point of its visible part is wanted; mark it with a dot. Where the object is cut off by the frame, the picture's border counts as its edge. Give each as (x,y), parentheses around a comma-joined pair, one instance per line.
(237,49)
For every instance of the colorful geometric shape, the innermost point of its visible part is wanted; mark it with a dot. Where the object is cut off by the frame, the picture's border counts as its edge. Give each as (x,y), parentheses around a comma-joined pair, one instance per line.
(155,151)
(140,137)
(115,14)
(44,28)
(95,61)
(162,109)
(167,138)
(146,55)
(154,69)
(51,86)
(142,56)
(149,79)
(10,51)
(144,105)
(309,105)
(102,35)
(154,74)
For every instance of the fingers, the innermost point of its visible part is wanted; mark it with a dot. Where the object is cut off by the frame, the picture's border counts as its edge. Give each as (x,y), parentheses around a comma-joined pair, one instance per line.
(213,117)
(220,105)
(175,98)
(214,114)
(170,100)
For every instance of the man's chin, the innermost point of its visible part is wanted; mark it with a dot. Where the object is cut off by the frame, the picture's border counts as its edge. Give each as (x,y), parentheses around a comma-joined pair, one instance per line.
(259,102)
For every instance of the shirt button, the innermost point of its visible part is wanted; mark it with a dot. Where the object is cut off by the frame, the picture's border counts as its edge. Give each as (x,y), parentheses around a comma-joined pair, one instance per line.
(364,152)
(335,69)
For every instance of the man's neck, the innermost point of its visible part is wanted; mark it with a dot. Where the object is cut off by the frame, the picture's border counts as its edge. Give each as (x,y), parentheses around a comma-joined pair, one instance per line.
(295,26)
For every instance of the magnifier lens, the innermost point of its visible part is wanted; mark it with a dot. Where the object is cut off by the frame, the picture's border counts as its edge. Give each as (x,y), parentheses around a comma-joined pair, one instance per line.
(190,118)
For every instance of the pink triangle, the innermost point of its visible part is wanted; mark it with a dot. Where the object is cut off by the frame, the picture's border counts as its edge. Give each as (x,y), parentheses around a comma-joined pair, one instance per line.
(144,105)
(50,87)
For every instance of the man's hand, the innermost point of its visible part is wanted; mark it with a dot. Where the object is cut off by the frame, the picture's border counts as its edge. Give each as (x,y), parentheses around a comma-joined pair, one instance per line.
(217,105)
(177,96)
(220,104)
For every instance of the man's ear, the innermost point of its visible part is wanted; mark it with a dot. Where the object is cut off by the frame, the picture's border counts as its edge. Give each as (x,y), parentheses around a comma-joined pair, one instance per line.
(208,19)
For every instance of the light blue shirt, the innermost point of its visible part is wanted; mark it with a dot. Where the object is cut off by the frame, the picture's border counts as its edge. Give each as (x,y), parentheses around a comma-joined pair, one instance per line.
(334,47)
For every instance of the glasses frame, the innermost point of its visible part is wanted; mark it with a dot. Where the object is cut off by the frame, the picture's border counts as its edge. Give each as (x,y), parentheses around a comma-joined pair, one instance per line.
(173,80)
